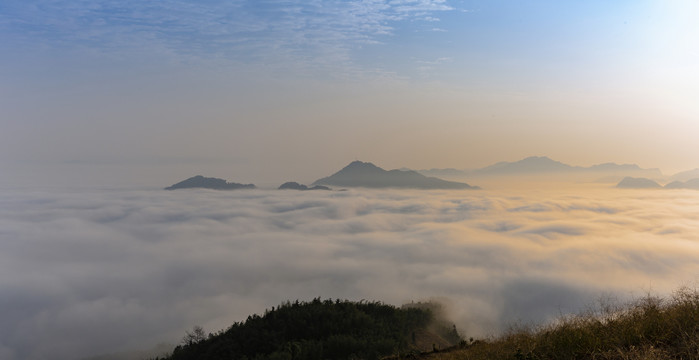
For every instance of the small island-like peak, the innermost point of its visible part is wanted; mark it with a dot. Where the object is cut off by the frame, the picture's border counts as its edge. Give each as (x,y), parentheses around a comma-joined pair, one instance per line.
(208,183)
(637,183)
(292,185)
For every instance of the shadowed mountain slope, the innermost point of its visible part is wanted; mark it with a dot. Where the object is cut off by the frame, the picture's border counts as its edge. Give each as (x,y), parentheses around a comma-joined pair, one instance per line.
(637,183)
(689,184)
(365,174)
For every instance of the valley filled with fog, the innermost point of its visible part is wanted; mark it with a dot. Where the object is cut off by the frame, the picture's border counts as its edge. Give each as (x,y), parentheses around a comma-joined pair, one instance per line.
(100,271)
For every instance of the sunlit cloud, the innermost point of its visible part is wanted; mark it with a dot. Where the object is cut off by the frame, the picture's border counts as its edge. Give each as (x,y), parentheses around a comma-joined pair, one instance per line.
(96,272)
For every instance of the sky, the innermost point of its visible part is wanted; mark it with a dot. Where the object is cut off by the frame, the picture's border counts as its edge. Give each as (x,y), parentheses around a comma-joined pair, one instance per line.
(95,272)
(105,102)
(124,93)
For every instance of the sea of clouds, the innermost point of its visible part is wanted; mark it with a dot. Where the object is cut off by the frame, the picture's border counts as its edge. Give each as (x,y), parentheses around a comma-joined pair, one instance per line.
(102,271)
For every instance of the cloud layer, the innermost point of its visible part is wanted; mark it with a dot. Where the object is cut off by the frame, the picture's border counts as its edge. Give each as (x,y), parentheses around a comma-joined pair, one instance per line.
(83,273)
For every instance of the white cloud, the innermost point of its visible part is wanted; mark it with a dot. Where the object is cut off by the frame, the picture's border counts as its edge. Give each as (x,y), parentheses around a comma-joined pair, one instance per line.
(289,33)
(83,273)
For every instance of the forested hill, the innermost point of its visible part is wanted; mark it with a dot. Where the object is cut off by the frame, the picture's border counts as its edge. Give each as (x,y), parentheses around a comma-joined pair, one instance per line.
(319,329)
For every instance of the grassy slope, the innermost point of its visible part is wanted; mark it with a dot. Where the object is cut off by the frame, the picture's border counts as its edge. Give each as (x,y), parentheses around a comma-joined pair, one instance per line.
(650,328)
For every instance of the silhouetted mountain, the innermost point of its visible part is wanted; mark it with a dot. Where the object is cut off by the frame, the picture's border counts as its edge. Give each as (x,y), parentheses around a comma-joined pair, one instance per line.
(615,172)
(532,164)
(692,184)
(365,174)
(675,185)
(689,184)
(208,183)
(686,175)
(292,185)
(637,183)
(542,165)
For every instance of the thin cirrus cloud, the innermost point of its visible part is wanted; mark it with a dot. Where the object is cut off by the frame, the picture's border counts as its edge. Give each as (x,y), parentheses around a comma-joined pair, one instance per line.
(318,32)
(100,272)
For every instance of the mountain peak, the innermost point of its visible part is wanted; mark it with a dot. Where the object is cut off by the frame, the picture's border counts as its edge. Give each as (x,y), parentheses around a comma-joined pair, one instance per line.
(537,159)
(355,165)
(530,164)
(366,174)
(542,160)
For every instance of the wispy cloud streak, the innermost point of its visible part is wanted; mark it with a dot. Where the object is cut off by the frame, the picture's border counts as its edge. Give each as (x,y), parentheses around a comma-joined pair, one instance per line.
(268,32)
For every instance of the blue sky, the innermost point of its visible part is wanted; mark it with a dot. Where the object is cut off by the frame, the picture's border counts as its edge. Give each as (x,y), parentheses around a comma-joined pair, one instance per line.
(422,83)
(268,32)
(395,37)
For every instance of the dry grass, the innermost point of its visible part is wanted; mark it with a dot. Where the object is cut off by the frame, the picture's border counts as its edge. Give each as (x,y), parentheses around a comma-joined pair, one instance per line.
(650,328)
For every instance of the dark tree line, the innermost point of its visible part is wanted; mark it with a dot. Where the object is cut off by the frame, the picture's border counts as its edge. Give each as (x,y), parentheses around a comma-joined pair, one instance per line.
(319,329)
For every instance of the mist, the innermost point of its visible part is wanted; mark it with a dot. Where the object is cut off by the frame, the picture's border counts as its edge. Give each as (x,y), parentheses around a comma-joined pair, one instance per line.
(100,271)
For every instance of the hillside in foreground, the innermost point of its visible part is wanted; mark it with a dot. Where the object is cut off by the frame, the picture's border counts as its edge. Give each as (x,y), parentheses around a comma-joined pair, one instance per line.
(649,328)
(323,329)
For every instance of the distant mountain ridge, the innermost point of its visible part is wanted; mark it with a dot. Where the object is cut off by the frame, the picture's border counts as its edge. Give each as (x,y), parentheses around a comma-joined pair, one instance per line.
(689,184)
(366,174)
(208,183)
(644,183)
(543,165)
(531,164)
